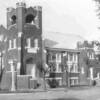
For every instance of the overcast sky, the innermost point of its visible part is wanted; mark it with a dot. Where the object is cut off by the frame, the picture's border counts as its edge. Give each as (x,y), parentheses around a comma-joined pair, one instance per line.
(63,16)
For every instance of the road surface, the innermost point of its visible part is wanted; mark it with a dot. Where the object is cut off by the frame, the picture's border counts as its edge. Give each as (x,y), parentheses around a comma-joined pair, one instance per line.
(87,93)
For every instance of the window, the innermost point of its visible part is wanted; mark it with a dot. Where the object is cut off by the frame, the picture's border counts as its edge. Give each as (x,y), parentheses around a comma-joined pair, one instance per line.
(82,70)
(37,21)
(75,58)
(71,57)
(53,57)
(74,68)
(30,19)
(28,43)
(13,19)
(58,57)
(74,82)
(88,54)
(36,43)
(92,55)
(12,44)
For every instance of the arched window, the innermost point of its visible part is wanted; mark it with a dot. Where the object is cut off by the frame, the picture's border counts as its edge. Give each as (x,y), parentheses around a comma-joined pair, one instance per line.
(30,19)
(13,19)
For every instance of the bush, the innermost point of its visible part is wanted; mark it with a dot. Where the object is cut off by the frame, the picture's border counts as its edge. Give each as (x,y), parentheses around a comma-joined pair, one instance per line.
(94,83)
(53,83)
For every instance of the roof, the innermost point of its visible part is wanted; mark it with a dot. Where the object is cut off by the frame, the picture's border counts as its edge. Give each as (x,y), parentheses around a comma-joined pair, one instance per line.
(60,40)
(64,50)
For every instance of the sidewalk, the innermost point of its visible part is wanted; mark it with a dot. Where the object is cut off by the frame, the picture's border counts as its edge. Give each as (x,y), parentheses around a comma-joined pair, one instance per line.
(92,93)
(46,90)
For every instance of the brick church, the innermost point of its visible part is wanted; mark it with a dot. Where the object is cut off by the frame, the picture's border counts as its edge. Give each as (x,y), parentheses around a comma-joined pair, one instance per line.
(24,53)
(21,42)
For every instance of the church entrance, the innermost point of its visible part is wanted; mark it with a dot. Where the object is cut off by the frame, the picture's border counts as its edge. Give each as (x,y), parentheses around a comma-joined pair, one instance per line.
(31,67)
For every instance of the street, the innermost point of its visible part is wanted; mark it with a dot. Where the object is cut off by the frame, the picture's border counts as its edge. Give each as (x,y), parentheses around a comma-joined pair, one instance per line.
(87,93)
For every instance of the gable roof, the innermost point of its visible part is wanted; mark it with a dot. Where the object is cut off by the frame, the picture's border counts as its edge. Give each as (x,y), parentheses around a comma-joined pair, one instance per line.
(67,41)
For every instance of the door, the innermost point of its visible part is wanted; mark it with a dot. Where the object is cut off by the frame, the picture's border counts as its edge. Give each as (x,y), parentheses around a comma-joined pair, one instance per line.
(31,70)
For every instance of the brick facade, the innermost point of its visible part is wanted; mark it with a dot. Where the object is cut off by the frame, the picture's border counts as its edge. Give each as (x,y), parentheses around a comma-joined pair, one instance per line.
(23,41)
(64,65)
(89,60)
(22,44)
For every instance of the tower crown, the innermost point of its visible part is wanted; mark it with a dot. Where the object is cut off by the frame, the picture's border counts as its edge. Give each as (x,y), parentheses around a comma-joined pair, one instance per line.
(20,4)
(21,16)
(10,9)
(38,8)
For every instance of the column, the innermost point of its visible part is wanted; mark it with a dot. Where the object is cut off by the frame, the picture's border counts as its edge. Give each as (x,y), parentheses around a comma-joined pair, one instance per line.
(57,63)
(91,73)
(68,57)
(13,75)
(57,67)
(73,55)
(20,54)
(76,58)
(33,71)
(98,75)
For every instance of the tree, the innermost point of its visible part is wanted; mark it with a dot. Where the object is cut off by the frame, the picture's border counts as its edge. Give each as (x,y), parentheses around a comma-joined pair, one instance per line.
(98,9)
(3,39)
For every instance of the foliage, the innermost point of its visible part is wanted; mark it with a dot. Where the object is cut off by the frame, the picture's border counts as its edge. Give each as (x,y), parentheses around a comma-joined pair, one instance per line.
(92,63)
(98,9)
(98,1)
(52,66)
(53,83)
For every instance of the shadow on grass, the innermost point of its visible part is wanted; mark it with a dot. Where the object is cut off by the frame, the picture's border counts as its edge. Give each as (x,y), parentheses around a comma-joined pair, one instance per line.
(62,99)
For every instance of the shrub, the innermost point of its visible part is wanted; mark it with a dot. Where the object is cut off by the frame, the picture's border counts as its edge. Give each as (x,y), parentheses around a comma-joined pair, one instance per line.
(53,83)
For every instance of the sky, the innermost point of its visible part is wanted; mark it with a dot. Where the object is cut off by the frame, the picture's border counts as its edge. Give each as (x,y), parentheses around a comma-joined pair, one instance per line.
(77,17)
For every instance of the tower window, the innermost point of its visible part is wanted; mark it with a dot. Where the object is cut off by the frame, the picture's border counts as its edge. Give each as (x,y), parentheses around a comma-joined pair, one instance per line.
(30,18)
(13,18)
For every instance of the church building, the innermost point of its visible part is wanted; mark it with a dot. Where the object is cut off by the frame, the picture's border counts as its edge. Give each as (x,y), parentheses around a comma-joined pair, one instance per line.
(24,55)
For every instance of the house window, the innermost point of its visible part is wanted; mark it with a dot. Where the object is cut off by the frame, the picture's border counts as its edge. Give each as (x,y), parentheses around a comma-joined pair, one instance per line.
(71,57)
(14,43)
(58,57)
(92,55)
(75,57)
(82,70)
(10,44)
(88,54)
(53,57)
(74,68)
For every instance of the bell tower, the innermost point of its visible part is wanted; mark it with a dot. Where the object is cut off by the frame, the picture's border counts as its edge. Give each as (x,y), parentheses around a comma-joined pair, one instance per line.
(15,16)
(26,24)
(20,11)
(23,45)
